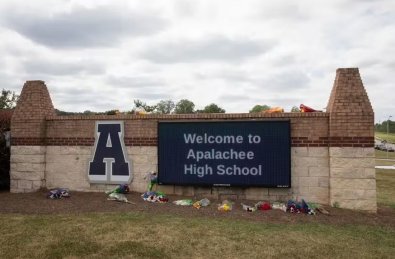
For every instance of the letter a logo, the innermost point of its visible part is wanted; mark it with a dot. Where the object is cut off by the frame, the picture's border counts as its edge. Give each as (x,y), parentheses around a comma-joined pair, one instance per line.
(109,164)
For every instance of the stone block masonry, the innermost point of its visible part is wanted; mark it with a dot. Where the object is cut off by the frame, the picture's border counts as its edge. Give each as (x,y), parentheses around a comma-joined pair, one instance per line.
(27,168)
(332,156)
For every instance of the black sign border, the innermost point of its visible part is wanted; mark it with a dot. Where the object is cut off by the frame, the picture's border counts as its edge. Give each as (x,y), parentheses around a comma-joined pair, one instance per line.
(228,185)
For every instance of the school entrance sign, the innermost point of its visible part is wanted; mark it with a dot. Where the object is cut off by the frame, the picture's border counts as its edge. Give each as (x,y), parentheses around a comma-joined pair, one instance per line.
(48,151)
(237,153)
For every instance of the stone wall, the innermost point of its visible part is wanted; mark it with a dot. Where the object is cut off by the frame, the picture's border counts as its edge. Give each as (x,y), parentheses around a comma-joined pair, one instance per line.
(67,166)
(331,153)
(27,168)
(353,177)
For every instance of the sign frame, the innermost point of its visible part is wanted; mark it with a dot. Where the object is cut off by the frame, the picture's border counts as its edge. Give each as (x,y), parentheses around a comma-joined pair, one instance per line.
(286,155)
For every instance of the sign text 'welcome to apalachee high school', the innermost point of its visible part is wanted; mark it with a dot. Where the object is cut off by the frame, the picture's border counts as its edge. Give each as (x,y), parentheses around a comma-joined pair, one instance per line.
(248,153)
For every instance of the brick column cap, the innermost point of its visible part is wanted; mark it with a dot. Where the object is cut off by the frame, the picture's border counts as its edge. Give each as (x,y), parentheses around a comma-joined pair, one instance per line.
(33,106)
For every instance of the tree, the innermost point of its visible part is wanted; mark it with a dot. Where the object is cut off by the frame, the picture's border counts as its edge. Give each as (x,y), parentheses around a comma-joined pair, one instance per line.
(295,109)
(139,104)
(260,108)
(382,127)
(184,106)
(88,112)
(165,106)
(212,108)
(8,99)
(64,113)
(112,112)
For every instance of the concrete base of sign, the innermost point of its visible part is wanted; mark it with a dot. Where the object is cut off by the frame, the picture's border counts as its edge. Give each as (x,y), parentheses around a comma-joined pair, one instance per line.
(353,178)
(27,172)
(343,177)
(69,165)
(66,167)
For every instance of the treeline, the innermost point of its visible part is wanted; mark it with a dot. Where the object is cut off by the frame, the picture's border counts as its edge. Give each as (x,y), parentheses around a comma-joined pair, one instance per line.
(382,127)
(183,106)
(8,100)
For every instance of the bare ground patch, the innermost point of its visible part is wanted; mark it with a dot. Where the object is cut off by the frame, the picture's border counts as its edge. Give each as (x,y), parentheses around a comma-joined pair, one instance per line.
(84,202)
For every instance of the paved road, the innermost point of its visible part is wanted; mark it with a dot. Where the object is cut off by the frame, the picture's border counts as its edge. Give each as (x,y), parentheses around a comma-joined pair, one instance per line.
(389,167)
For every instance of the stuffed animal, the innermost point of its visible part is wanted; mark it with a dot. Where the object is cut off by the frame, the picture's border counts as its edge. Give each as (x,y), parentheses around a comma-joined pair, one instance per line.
(152,178)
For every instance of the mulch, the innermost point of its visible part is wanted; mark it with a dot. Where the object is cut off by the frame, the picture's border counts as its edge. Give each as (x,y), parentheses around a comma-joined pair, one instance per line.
(37,203)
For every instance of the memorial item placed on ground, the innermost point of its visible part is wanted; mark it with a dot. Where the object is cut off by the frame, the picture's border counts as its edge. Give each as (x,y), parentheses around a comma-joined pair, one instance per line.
(248,208)
(184,202)
(118,197)
(279,206)
(158,197)
(299,207)
(263,206)
(152,178)
(225,206)
(122,188)
(58,193)
(202,203)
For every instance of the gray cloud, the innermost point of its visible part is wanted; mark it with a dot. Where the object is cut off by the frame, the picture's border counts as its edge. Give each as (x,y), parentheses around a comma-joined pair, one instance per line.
(87,102)
(79,96)
(234,76)
(41,67)
(185,8)
(280,100)
(391,64)
(9,82)
(307,43)
(217,48)
(146,88)
(134,81)
(69,97)
(284,60)
(225,98)
(149,96)
(284,81)
(83,27)
(282,10)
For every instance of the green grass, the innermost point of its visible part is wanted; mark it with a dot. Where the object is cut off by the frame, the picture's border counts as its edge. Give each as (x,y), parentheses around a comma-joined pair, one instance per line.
(383,154)
(140,235)
(385,162)
(384,136)
(385,180)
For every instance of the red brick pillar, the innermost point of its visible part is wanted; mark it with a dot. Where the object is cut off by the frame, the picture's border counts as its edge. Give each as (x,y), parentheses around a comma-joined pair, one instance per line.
(351,151)
(28,129)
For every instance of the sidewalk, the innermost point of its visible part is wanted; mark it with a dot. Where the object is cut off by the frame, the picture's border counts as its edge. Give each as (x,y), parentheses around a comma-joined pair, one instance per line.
(390,167)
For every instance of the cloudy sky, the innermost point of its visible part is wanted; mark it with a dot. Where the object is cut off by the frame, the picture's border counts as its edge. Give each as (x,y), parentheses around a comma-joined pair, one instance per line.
(101,55)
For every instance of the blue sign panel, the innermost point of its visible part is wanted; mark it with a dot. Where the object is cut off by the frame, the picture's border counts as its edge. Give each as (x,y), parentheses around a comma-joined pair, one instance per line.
(242,153)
